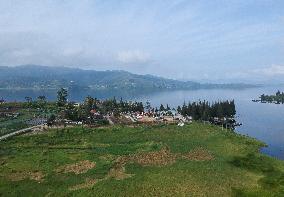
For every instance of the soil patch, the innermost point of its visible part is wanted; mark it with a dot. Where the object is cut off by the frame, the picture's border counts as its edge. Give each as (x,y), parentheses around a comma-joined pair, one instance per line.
(147,119)
(77,168)
(118,173)
(118,170)
(18,176)
(198,154)
(107,157)
(87,184)
(158,158)
(162,157)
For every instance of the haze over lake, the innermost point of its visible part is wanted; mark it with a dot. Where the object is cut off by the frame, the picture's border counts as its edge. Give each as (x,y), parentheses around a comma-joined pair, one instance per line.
(262,121)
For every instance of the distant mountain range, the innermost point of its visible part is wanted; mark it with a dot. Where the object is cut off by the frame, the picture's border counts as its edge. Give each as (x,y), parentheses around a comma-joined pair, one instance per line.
(43,77)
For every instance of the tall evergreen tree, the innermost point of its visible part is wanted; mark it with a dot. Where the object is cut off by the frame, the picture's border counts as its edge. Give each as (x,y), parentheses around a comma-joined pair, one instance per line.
(62,97)
(162,108)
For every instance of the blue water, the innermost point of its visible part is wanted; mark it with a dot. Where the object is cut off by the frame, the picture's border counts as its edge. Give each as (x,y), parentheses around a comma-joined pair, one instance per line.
(259,120)
(262,121)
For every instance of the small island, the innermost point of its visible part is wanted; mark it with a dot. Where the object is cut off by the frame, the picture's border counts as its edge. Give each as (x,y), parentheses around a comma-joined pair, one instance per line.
(278,98)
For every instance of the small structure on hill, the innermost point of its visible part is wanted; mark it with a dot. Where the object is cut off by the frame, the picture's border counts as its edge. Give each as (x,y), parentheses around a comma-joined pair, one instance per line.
(2,101)
(94,112)
(37,121)
(76,104)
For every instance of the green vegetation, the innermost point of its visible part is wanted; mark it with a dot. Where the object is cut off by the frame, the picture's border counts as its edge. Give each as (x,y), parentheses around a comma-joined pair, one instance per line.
(277,98)
(203,110)
(162,160)
(62,97)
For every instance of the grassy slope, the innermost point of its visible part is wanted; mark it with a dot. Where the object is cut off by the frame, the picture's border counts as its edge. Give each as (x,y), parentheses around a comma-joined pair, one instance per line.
(237,168)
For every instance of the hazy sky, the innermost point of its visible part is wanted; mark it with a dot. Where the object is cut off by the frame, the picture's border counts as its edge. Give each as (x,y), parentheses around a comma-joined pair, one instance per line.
(204,40)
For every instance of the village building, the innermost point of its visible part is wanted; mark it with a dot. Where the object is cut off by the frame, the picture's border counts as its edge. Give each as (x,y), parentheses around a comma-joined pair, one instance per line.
(37,121)
(76,104)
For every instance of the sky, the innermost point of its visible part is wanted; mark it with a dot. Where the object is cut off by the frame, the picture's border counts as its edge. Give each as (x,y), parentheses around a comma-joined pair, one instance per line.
(205,41)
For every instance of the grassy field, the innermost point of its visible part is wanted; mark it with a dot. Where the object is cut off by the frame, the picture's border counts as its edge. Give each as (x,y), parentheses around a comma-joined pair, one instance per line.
(163,160)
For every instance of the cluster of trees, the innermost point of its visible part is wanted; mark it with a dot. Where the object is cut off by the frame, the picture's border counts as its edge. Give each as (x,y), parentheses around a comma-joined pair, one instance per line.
(40,102)
(116,107)
(87,110)
(203,110)
(277,98)
(156,110)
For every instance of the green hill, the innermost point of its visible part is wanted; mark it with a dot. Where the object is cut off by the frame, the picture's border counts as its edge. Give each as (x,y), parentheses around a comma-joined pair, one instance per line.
(32,76)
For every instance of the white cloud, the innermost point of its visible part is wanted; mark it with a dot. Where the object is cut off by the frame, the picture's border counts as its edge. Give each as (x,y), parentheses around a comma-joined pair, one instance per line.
(72,51)
(176,39)
(22,53)
(133,57)
(268,74)
(274,70)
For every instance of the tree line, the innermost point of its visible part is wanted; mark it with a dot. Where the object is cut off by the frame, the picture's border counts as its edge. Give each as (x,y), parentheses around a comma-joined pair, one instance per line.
(277,98)
(203,110)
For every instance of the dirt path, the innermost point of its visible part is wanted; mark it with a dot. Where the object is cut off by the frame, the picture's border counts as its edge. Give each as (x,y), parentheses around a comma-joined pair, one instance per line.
(20,132)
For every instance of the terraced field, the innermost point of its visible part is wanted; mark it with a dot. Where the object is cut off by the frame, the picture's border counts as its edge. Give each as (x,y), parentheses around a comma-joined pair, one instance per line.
(161,160)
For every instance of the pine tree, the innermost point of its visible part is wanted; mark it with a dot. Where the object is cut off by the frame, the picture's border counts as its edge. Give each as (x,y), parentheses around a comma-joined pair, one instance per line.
(162,108)
(179,109)
(62,97)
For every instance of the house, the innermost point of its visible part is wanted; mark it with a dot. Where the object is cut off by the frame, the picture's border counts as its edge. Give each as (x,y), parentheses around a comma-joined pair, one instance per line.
(70,122)
(94,112)
(178,117)
(2,101)
(168,118)
(37,121)
(76,104)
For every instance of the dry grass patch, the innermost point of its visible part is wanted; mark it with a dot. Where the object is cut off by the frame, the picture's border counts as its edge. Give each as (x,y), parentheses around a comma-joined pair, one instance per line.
(77,168)
(158,158)
(162,157)
(198,154)
(18,176)
(87,184)
(107,157)
(102,145)
(147,119)
(118,170)
(118,173)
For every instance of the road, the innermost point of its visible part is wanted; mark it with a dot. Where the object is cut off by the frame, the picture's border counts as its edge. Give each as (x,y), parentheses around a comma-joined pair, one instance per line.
(19,132)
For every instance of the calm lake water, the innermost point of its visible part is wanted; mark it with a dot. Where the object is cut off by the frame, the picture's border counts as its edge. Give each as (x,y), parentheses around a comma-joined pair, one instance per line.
(262,121)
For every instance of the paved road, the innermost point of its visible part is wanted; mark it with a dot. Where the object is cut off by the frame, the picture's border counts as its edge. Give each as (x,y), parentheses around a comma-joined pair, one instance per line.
(19,132)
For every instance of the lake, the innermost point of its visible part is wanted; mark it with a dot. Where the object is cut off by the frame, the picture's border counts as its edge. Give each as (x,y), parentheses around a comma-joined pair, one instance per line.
(262,121)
